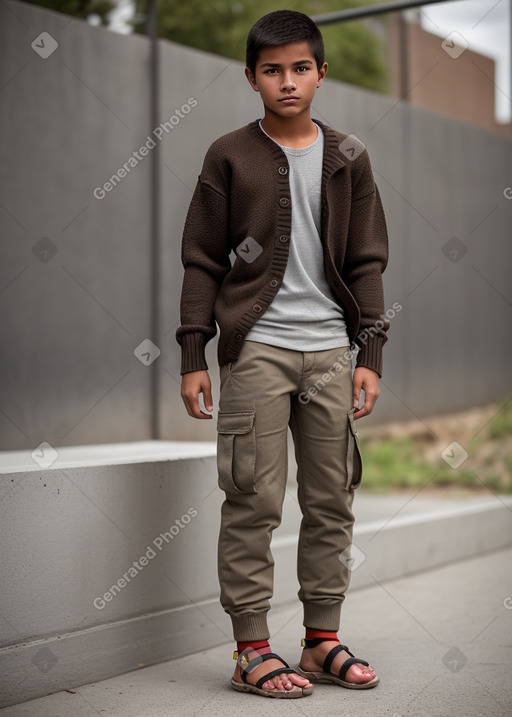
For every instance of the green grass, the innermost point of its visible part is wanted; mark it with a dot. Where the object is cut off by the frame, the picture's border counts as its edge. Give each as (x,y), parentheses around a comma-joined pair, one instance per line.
(501,424)
(391,464)
(398,464)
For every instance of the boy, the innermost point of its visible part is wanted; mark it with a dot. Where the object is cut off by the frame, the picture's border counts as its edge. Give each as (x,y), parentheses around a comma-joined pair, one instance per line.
(304,219)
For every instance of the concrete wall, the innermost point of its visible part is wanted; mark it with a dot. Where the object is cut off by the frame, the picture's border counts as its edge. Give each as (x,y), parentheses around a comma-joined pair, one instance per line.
(74,273)
(76,287)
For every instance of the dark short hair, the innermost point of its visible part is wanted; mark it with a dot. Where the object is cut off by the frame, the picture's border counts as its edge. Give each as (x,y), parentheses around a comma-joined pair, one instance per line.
(283,27)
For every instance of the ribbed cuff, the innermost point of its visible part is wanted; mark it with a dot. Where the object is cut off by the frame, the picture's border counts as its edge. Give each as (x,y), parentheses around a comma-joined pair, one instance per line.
(370,354)
(322,617)
(192,353)
(251,626)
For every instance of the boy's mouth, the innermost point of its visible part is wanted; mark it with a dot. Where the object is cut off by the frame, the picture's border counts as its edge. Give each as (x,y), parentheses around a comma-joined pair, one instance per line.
(289,99)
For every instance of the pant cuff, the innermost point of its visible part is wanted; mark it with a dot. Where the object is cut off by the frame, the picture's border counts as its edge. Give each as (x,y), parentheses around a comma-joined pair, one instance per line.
(251,626)
(322,617)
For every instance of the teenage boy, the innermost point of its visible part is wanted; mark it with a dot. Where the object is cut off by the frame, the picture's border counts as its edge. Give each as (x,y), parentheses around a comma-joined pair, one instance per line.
(296,203)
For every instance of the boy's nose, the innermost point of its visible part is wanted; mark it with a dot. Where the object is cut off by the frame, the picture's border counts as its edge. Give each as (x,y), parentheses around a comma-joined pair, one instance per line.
(288,83)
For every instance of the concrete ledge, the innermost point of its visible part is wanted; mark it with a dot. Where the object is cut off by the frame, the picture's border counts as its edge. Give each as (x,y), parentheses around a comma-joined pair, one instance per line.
(103,454)
(401,545)
(69,534)
(46,666)
(413,544)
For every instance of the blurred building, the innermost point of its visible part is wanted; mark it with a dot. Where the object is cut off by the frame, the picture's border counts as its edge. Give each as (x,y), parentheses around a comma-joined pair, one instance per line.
(441,74)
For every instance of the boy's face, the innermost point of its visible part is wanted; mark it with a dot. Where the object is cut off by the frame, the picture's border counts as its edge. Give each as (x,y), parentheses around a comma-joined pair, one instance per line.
(287,78)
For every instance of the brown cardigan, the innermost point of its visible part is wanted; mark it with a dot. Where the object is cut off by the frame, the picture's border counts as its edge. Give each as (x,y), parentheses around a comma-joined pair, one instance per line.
(243,191)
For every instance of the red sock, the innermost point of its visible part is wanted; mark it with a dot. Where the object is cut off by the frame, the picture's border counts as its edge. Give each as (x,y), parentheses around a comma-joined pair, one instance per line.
(261,646)
(312,634)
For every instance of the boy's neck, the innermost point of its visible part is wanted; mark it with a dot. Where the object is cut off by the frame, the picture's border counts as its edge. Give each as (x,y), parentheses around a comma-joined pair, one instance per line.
(294,132)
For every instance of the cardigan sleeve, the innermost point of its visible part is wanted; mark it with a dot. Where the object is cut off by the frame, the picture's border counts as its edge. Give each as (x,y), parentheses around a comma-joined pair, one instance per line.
(205,258)
(365,261)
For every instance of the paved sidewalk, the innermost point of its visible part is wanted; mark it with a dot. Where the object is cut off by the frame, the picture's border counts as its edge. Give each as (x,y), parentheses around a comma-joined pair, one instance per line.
(441,642)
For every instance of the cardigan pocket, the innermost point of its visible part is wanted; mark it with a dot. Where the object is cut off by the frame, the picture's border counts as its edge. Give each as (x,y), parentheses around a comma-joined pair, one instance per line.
(354,461)
(236,451)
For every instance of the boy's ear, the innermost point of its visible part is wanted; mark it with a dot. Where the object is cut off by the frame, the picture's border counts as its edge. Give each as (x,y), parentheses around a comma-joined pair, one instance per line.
(251,79)
(322,73)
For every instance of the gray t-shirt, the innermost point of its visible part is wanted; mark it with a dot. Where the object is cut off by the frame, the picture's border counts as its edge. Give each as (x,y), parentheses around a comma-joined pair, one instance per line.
(304,315)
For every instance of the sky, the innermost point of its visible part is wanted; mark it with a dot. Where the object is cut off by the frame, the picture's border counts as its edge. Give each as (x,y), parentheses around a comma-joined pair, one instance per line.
(485,25)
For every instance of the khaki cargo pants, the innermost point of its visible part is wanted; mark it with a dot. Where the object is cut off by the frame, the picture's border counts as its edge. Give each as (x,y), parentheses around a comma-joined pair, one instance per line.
(264,391)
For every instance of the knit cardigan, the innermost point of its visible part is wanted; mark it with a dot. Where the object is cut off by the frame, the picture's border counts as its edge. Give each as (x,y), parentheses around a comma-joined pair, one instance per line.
(242,204)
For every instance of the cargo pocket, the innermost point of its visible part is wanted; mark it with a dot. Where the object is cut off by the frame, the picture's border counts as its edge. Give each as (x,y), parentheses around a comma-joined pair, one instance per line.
(354,463)
(236,451)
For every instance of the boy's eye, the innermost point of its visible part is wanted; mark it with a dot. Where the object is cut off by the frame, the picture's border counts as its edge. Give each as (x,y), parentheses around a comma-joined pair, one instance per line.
(273,70)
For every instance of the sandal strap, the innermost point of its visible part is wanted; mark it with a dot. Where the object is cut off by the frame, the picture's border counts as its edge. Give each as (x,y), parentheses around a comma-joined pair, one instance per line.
(326,667)
(352,660)
(345,666)
(331,655)
(251,664)
(274,673)
(348,663)
(314,641)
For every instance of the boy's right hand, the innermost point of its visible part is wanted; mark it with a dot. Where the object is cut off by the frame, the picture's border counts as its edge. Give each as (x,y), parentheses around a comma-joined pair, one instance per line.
(192,384)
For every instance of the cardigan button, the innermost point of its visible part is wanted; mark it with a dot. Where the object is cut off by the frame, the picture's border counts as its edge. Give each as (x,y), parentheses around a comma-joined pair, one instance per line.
(238,337)
(274,282)
(283,238)
(284,201)
(256,308)
(283,170)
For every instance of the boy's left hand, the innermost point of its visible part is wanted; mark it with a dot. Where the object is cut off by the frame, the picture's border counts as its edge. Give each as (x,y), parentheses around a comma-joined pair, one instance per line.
(367,380)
